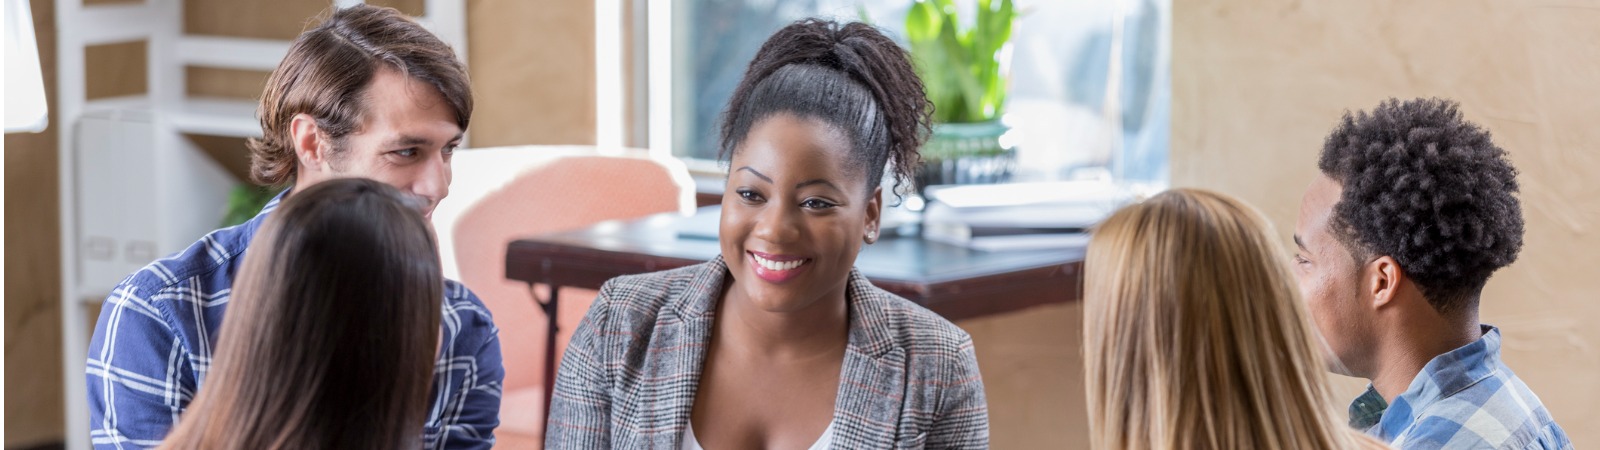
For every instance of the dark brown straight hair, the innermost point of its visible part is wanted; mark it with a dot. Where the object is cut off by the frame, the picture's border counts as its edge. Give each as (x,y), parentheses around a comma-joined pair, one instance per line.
(331,329)
(326,73)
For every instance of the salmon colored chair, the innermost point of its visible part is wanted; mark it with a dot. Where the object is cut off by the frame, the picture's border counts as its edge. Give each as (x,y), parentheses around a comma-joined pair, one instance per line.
(503,194)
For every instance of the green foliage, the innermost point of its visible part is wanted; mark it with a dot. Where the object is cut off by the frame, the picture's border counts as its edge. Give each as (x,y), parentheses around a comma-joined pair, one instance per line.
(960,68)
(245,201)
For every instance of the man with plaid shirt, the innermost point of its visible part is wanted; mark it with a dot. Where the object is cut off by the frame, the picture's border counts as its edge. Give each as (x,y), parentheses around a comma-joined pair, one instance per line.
(1413,210)
(367,93)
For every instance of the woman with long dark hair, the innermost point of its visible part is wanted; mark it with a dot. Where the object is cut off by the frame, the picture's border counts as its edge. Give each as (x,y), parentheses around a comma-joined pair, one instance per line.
(332,331)
(780,342)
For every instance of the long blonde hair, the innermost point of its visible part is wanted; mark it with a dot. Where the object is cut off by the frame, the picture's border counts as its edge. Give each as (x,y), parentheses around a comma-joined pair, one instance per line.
(1195,336)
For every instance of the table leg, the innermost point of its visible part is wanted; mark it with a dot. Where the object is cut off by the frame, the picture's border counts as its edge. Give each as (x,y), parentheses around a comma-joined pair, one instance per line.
(550,308)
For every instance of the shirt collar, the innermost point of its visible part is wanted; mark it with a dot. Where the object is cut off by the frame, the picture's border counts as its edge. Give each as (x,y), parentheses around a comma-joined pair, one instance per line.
(1443,377)
(239,236)
(273,204)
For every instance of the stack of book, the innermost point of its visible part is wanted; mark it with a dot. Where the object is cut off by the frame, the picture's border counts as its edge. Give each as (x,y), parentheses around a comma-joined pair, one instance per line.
(1019,216)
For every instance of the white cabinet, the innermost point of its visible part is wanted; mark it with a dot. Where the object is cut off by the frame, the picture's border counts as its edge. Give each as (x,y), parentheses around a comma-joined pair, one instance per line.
(114,196)
(142,193)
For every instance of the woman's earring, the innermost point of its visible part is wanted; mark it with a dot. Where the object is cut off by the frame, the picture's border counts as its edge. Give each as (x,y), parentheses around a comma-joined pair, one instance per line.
(872,236)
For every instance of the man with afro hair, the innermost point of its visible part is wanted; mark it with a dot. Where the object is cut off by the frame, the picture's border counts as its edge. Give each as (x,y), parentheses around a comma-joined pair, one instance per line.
(1414,209)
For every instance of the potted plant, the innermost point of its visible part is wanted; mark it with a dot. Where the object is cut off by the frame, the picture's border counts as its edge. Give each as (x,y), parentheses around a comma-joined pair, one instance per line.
(963,69)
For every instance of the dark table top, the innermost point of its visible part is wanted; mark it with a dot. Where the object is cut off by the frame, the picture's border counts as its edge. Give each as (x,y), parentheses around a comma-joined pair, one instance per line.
(952,280)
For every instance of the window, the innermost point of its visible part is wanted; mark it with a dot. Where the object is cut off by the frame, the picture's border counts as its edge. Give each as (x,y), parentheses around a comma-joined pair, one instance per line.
(1061,74)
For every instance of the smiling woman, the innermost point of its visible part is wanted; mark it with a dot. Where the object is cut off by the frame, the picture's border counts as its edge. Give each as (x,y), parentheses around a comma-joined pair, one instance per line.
(798,211)
(780,342)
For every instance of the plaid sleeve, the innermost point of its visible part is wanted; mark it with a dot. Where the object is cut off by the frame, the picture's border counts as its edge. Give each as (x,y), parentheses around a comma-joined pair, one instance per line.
(138,373)
(580,407)
(470,424)
(474,429)
(963,414)
(1551,437)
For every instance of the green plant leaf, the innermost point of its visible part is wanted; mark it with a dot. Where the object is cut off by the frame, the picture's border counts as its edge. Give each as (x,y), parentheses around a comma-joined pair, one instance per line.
(961,68)
(982,39)
(245,201)
(1004,20)
(966,85)
(922,22)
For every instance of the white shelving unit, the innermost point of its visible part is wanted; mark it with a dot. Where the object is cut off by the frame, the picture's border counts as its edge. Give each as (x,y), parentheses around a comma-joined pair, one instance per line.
(133,189)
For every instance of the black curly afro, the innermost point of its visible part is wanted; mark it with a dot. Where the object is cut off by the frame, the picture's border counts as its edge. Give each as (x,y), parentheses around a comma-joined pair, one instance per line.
(1429,189)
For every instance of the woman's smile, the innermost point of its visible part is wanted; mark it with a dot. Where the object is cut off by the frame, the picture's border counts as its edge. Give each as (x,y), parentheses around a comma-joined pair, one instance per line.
(777,268)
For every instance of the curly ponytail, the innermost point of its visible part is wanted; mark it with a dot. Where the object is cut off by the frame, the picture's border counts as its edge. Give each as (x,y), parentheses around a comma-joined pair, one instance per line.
(850,76)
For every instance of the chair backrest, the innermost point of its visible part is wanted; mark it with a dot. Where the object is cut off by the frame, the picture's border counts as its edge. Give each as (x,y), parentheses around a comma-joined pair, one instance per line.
(520,192)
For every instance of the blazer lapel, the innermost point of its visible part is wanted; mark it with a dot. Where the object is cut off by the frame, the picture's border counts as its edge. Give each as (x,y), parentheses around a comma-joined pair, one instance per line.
(683,330)
(872,380)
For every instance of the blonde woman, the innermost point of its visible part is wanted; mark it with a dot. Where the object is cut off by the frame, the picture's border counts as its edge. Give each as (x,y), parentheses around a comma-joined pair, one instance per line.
(1195,337)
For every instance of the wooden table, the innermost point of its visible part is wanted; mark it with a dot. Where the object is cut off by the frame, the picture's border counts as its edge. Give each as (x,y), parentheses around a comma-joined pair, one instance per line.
(954,281)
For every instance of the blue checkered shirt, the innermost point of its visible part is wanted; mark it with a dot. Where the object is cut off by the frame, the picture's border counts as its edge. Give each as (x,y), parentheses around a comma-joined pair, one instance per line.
(1464,399)
(154,340)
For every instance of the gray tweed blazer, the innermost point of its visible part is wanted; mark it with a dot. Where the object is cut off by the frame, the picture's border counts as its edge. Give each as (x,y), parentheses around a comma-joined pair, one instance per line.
(628,379)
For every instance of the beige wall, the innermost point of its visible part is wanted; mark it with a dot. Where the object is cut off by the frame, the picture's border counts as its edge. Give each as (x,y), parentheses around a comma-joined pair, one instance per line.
(1257,84)
(533,71)
(534,57)
(1032,366)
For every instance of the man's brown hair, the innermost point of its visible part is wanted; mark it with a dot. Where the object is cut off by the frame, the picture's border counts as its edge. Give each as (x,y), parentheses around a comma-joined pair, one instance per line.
(326,73)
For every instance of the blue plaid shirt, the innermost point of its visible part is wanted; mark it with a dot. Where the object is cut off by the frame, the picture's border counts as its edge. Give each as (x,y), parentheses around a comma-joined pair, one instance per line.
(1464,399)
(154,340)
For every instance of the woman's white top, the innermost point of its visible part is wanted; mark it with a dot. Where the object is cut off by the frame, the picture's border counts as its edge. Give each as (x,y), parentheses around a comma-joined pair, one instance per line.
(690,443)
